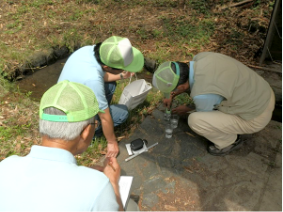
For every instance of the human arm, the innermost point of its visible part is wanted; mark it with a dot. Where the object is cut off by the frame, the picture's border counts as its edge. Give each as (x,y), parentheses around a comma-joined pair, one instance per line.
(109,77)
(180,89)
(203,103)
(108,131)
(112,170)
(167,102)
(105,118)
(182,109)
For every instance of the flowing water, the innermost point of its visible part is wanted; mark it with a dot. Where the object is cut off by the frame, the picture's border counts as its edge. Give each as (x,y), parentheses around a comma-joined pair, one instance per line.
(41,80)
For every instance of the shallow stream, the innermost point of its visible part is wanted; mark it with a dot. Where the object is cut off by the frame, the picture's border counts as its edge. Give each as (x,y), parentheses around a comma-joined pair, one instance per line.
(41,80)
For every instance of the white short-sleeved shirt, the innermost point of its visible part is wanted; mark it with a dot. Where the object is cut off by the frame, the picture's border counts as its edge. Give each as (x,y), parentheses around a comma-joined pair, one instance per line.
(48,179)
(204,102)
(82,67)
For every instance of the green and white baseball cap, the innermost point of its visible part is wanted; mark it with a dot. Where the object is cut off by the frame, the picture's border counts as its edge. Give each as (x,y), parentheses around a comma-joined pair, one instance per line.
(76,100)
(165,79)
(118,52)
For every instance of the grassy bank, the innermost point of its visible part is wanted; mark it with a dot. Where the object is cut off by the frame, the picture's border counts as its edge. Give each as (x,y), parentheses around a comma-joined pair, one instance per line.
(161,29)
(18,121)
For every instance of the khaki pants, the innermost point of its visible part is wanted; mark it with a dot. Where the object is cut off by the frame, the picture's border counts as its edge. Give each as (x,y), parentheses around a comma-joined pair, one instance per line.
(222,129)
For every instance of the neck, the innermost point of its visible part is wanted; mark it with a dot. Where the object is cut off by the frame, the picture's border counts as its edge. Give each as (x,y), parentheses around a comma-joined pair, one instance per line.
(70,146)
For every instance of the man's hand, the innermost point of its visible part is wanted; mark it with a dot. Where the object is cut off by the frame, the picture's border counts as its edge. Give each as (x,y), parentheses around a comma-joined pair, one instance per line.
(167,102)
(112,170)
(112,149)
(181,110)
(127,74)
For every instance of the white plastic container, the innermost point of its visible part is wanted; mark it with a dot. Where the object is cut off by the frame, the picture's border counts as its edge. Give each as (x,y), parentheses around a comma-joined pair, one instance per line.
(135,93)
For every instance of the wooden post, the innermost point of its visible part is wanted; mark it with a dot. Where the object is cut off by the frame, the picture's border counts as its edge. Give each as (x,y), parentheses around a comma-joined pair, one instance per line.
(270,32)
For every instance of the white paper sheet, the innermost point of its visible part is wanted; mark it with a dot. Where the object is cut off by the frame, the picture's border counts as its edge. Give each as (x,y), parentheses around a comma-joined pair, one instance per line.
(125,184)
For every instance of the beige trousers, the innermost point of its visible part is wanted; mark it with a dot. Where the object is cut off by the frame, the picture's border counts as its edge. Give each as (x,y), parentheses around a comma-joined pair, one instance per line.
(222,129)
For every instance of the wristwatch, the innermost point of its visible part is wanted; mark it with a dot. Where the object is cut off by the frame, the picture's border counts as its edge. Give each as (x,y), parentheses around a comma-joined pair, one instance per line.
(121,76)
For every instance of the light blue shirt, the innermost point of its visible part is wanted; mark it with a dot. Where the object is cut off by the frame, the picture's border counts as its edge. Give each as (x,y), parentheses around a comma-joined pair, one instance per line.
(82,67)
(48,179)
(204,102)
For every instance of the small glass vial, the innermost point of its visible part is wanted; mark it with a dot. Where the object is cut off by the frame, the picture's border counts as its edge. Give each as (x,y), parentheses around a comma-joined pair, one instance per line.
(168,131)
(174,121)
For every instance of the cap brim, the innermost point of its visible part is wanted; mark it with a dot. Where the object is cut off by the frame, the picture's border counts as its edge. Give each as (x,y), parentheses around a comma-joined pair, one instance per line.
(137,63)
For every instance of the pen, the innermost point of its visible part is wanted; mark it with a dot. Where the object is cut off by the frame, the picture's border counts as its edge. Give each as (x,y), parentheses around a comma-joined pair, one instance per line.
(112,167)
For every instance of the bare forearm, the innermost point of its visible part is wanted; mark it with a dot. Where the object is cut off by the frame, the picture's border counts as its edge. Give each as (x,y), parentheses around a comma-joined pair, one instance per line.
(108,77)
(118,198)
(108,131)
(107,126)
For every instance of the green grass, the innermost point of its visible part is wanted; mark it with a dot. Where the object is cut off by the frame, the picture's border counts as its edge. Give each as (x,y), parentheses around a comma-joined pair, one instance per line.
(188,31)
(199,6)
(93,152)
(18,121)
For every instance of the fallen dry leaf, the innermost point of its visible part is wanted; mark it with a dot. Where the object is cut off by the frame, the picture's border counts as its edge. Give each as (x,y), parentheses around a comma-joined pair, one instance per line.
(18,147)
(170,208)
(120,138)
(188,169)
(190,134)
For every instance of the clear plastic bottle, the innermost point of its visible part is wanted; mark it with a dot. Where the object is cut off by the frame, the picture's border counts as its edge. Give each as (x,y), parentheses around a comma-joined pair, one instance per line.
(167,115)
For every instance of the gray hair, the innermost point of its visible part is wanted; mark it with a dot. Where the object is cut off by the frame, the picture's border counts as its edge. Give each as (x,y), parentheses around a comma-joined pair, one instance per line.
(61,130)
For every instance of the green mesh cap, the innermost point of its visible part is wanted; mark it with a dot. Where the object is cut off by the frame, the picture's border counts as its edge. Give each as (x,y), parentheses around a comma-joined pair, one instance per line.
(117,52)
(76,100)
(164,78)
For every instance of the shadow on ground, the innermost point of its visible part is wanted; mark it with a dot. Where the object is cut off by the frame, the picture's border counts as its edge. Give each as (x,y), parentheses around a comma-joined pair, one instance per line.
(179,174)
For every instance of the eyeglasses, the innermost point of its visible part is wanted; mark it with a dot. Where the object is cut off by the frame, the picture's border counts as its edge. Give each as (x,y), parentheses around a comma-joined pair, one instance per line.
(96,124)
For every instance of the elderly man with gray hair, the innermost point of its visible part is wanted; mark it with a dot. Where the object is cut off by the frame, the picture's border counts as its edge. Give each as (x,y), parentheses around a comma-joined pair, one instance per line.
(48,178)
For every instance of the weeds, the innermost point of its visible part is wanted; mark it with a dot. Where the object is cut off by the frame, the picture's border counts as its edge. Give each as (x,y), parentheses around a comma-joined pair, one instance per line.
(200,6)
(190,31)
(18,121)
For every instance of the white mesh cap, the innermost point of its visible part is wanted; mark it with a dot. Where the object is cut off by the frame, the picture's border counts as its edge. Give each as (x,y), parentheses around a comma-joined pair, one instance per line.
(117,52)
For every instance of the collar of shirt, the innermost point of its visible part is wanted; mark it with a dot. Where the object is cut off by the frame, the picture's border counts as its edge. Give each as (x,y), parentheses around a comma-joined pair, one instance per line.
(52,154)
(191,74)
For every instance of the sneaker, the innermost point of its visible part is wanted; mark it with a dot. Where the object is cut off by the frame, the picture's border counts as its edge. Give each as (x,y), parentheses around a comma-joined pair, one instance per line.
(213,150)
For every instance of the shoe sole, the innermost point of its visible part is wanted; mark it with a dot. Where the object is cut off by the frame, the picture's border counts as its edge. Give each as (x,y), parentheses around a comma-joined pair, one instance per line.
(227,152)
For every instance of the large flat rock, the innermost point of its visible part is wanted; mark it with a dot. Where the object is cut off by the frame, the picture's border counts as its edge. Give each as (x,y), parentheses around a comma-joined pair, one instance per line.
(179,174)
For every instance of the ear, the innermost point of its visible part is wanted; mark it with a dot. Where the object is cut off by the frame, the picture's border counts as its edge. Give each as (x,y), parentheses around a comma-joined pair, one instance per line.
(86,133)
(104,67)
